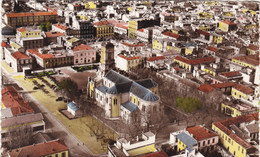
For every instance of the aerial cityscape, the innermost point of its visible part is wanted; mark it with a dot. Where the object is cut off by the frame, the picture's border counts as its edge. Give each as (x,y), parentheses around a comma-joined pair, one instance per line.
(111,78)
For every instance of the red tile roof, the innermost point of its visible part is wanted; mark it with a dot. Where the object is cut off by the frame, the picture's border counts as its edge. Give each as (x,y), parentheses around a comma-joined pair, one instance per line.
(41,149)
(251,59)
(200,133)
(21,29)
(243,89)
(203,32)
(4,44)
(60,26)
(195,61)
(100,23)
(223,85)
(30,14)
(231,74)
(141,30)
(156,154)
(121,26)
(130,58)
(223,126)
(253,47)
(132,45)
(53,34)
(210,48)
(19,55)
(228,22)
(205,88)
(82,47)
(51,10)
(156,58)
(12,99)
(170,34)
(37,53)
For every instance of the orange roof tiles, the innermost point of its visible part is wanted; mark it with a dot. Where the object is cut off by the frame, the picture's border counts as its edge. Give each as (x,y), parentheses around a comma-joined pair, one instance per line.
(141,30)
(210,48)
(203,32)
(130,58)
(53,34)
(100,23)
(82,47)
(132,45)
(253,47)
(195,61)
(223,126)
(206,88)
(228,22)
(251,59)
(12,99)
(4,44)
(243,89)
(19,55)
(223,85)
(121,26)
(30,14)
(170,34)
(41,149)
(156,58)
(37,53)
(200,133)
(231,74)
(21,29)
(60,26)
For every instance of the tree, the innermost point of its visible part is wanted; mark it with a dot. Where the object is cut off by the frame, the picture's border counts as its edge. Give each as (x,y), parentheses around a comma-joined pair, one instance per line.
(46,26)
(19,136)
(188,104)
(69,89)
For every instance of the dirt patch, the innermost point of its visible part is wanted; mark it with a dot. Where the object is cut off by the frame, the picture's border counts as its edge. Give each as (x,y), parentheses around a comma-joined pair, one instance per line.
(81,78)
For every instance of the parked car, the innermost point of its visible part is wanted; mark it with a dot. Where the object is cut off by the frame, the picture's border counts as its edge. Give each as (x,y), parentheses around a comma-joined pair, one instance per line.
(59,99)
(35,88)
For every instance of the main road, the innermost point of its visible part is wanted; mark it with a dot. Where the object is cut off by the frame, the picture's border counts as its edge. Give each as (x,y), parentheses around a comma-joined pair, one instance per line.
(53,125)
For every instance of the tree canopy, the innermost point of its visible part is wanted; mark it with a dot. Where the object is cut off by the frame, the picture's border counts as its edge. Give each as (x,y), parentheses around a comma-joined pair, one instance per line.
(46,26)
(69,88)
(188,104)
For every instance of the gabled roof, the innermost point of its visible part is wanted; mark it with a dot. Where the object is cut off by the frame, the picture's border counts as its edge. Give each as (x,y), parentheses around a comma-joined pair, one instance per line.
(53,34)
(156,58)
(203,32)
(120,88)
(206,88)
(30,14)
(12,99)
(143,93)
(253,47)
(195,61)
(82,47)
(19,55)
(253,128)
(60,26)
(211,48)
(147,83)
(251,59)
(37,53)
(199,133)
(141,30)
(102,89)
(223,85)
(243,89)
(21,120)
(41,149)
(231,74)
(130,58)
(73,106)
(170,34)
(121,26)
(224,126)
(187,140)
(4,44)
(130,106)
(116,78)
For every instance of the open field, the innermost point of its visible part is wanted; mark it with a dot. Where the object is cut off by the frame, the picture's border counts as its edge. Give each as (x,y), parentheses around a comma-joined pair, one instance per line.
(87,129)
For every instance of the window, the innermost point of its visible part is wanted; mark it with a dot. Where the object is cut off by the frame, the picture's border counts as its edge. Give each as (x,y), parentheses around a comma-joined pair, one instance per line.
(228,140)
(203,143)
(238,148)
(213,140)
(63,154)
(106,100)
(208,141)
(143,108)
(56,155)
(115,101)
(242,150)
(97,95)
